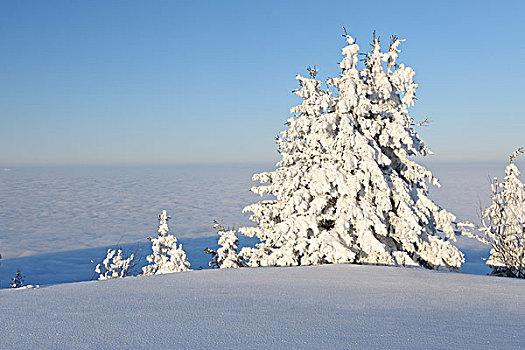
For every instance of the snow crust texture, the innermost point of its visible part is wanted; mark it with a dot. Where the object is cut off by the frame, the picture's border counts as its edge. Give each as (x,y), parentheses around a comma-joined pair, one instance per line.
(341,306)
(345,189)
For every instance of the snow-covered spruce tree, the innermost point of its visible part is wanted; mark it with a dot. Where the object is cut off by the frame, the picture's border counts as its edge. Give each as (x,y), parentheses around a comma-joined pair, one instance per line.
(17,281)
(166,256)
(345,189)
(227,255)
(114,265)
(503,224)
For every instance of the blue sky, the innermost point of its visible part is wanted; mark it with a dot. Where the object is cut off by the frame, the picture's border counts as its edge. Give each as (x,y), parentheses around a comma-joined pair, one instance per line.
(140,82)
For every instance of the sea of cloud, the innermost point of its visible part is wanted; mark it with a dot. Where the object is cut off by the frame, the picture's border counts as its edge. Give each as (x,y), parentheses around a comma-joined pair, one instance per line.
(47,210)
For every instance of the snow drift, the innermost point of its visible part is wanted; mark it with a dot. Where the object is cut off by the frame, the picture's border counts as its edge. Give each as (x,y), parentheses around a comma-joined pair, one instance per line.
(317,307)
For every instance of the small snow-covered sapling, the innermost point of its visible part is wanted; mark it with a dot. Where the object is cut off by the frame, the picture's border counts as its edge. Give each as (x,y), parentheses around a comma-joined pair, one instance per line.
(503,223)
(114,265)
(226,255)
(18,280)
(166,257)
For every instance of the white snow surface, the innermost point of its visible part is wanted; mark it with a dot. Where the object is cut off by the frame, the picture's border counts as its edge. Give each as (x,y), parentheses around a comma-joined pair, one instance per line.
(315,307)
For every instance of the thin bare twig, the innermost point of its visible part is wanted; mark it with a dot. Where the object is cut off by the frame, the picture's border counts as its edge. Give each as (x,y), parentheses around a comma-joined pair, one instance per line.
(425,122)
(516,153)
(313,71)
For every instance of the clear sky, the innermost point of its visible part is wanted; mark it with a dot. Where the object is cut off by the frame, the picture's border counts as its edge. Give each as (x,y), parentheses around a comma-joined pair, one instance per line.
(135,82)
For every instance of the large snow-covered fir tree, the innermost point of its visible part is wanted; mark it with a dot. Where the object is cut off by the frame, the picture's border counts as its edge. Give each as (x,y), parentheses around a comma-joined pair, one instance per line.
(166,256)
(503,223)
(345,189)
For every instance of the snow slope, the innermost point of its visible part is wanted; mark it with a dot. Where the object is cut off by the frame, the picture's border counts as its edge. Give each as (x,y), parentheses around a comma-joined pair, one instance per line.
(318,307)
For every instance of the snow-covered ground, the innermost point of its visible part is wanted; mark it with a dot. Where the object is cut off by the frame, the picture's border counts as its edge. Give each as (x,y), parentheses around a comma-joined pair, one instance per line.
(55,220)
(319,307)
